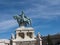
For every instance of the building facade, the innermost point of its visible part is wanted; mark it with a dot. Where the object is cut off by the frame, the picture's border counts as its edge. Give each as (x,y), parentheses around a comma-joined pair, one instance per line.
(55,39)
(4,42)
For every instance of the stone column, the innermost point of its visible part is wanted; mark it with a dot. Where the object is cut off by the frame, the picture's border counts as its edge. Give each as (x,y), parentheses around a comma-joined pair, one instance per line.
(14,43)
(33,35)
(25,34)
(16,35)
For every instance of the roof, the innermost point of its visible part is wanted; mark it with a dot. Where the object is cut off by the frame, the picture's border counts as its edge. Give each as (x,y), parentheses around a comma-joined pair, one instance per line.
(4,41)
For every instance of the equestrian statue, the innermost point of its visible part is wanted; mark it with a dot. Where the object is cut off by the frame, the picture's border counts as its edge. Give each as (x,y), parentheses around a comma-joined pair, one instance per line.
(22,20)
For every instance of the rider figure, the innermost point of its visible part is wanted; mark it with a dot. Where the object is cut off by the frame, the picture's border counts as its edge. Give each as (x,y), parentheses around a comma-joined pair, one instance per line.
(22,20)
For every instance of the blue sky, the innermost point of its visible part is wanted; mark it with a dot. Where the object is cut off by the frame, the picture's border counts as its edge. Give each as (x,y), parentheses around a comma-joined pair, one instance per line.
(45,16)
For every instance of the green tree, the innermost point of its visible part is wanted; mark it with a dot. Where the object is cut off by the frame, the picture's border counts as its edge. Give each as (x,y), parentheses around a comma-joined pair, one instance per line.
(49,40)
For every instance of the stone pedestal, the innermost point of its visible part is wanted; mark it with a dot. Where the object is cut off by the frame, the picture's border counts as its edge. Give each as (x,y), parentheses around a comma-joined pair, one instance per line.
(24,36)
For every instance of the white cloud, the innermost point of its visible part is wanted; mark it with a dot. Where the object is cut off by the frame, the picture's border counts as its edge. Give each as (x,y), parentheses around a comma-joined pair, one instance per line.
(54,2)
(44,11)
(11,3)
(42,26)
(5,25)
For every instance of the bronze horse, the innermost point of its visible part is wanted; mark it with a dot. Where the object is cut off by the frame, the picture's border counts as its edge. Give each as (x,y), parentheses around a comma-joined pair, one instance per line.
(22,20)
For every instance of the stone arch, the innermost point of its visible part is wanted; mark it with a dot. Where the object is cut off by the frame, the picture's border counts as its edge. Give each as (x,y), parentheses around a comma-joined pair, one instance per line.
(29,34)
(21,35)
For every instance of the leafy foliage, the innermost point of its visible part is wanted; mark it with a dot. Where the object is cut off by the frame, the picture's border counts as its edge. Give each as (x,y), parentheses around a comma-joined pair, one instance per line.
(49,41)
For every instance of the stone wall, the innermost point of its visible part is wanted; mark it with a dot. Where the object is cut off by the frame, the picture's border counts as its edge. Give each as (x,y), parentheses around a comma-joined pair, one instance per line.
(4,42)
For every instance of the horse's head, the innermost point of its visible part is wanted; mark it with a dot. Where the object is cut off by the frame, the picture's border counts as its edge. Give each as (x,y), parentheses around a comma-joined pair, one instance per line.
(16,17)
